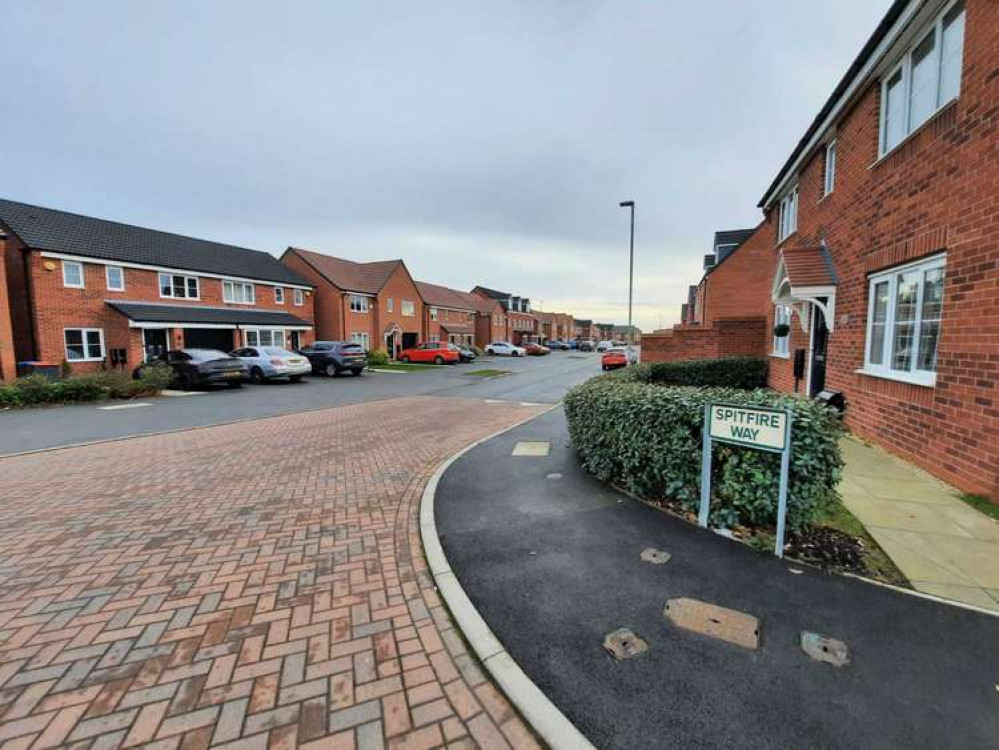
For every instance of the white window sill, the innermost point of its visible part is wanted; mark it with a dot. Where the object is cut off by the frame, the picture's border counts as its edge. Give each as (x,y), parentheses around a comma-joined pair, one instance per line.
(87,359)
(186,299)
(115,290)
(780,356)
(245,304)
(927,380)
(913,134)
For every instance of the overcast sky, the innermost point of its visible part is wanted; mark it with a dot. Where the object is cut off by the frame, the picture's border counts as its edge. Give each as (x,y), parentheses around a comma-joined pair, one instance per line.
(483,142)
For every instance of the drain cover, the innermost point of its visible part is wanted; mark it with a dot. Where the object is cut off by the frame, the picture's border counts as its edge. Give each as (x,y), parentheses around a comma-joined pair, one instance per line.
(828,650)
(623,644)
(712,620)
(654,556)
(532,448)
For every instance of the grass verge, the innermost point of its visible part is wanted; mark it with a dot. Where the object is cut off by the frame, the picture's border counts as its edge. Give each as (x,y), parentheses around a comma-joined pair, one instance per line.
(982,504)
(487,373)
(878,564)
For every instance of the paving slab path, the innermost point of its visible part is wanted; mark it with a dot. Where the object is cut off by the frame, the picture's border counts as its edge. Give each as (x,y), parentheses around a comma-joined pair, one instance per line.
(251,585)
(552,559)
(942,545)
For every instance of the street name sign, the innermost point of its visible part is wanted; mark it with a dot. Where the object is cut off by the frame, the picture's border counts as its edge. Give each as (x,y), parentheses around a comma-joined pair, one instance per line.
(758,427)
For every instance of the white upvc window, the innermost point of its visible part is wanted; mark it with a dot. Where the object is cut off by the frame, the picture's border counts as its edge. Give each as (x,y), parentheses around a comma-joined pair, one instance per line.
(84,344)
(238,293)
(298,297)
(389,305)
(434,337)
(904,309)
(926,78)
(114,276)
(279,295)
(72,274)
(408,307)
(363,339)
(265,337)
(787,216)
(358,304)
(433,313)
(782,316)
(179,286)
(829,179)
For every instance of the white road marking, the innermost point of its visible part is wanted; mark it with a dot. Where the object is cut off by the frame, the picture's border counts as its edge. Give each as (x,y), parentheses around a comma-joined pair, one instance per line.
(179,394)
(136,405)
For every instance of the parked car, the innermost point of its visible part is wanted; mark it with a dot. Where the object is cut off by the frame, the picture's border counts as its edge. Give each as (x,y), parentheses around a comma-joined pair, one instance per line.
(194,367)
(603,346)
(586,345)
(505,349)
(618,342)
(465,354)
(573,344)
(536,350)
(334,357)
(271,362)
(437,352)
(615,357)
(558,344)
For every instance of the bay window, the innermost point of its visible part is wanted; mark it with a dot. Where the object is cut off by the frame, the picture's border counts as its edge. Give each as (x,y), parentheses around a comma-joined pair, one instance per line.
(905,306)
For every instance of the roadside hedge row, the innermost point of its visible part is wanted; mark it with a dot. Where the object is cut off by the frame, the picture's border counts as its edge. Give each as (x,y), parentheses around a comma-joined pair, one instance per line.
(647,438)
(728,372)
(38,389)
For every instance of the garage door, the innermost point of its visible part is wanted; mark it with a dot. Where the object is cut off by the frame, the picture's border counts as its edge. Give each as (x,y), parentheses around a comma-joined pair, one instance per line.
(208,338)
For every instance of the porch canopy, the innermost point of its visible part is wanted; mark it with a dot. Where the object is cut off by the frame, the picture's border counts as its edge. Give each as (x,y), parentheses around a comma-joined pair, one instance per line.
(154,315)
(456,328)
(805,277)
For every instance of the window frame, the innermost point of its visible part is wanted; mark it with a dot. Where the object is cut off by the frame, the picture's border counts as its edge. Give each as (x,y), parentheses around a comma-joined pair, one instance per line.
(107,278)
(361,307)
(186,278)
(297,297)
(829,173)
(784,350)
(229,287)
(83,279)
(787,214)
(86,346)
(362,338)
(885,369)
(279,295)
(389,305)
(904,64)
(433,313)
(410,305)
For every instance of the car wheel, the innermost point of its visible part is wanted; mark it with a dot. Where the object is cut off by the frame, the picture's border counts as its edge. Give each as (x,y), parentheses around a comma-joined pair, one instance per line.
(235,384)
(332,370)
(438,360)
(490,352)
(295,378)
(256,375)
(357,373)
(405,358)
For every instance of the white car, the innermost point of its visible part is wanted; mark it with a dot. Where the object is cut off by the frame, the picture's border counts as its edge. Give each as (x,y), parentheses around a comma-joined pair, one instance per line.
(268,362)
(604,346)
(505,349)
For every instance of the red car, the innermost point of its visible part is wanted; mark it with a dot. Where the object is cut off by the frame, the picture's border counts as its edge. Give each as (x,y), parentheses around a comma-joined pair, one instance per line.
(437,352)
(614,358)
(536,350)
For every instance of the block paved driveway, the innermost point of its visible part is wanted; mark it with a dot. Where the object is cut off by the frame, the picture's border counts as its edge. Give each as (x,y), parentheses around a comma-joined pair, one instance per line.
(252,585)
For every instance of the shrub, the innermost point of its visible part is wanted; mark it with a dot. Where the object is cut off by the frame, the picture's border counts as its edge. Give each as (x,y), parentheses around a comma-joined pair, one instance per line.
(38,389)
(478,352)
(744,373)
(154,379)
(377,357)
(647,438)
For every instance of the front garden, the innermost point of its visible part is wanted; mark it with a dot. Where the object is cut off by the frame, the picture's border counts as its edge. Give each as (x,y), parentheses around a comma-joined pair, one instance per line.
(35,390)
(642,428)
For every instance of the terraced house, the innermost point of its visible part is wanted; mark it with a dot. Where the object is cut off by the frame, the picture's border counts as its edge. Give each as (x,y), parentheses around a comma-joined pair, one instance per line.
(521,324)
(885,226)
(94,293)
(375,304)
(449,315)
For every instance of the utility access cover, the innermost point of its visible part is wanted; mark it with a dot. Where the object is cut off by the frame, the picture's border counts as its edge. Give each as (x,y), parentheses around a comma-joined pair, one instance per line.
(827,650)
(654,556)
(712,620)
(537,448)
(623,644)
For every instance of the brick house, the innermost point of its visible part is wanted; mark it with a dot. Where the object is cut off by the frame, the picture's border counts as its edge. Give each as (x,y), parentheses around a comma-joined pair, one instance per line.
(449,315)
(375,304)
(726,312)
(583,329)
(554,326)
(490,319)
(885,229)
(521,324)
(8,367)
(94,293)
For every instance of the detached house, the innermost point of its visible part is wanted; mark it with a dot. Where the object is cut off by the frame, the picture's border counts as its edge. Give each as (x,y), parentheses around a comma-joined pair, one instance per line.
(376,304)
(490,319)
(884,222)
(95,293)
(449,315)
(521,324)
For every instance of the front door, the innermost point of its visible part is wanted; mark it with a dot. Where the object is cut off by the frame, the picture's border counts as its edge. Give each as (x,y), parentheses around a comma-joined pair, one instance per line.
(820,343)
(154,342)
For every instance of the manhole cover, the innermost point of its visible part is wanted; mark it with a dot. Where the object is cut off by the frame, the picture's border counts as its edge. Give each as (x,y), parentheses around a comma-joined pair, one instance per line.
(553,475)
(827,650)
(654,556)
(712,620)
(532,448)
(623,644)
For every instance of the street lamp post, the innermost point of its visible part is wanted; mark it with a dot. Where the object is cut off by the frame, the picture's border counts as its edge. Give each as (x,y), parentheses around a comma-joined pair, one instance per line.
(631,275)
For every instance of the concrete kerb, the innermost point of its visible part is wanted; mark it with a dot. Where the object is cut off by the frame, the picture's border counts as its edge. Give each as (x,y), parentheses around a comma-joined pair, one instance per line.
(534,706)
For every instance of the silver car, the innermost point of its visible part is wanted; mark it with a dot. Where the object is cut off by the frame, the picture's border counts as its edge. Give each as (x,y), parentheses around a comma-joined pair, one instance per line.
(270,362)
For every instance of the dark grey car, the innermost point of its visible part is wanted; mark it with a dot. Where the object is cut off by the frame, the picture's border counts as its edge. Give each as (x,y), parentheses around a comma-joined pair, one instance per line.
(334,357)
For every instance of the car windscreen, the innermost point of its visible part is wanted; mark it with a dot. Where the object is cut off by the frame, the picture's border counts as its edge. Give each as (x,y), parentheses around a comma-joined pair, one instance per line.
(205,355)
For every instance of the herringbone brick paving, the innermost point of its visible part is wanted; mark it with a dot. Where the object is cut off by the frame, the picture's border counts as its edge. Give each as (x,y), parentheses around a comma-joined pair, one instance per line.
(244,586)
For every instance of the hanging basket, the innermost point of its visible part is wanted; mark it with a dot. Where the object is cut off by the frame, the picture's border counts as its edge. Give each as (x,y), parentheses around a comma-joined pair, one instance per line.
(781,330)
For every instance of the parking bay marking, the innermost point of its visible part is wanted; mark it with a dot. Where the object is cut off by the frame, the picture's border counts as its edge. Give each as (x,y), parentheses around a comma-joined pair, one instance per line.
(124,406)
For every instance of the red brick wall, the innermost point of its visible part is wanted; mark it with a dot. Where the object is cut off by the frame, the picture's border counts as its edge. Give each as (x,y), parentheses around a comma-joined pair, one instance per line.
(739,287)
(734,337)
(938,191)
(19,295)
(327,299)
(400,286)
(8,369)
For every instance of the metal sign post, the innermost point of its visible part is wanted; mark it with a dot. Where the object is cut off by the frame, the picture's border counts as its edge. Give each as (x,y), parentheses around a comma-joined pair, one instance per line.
(757,427)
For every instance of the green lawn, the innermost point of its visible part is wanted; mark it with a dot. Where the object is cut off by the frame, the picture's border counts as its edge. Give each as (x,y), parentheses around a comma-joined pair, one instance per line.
(404,367)
(983,504)
(487,373)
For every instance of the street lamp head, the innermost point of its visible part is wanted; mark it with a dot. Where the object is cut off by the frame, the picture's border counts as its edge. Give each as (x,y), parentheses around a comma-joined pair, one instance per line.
(627,204)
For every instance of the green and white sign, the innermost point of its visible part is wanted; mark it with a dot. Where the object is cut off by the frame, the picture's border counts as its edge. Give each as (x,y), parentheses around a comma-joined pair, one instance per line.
(756,427)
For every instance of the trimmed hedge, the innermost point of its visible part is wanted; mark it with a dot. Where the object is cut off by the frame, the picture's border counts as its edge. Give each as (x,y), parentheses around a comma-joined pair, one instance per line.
(727,372)
(647,438)
(377,357)
(38,389)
